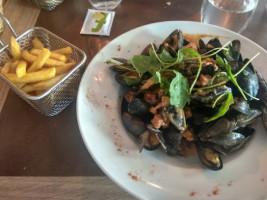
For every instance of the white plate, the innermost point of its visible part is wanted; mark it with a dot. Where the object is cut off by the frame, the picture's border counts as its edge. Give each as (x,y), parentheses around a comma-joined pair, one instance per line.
(154,175)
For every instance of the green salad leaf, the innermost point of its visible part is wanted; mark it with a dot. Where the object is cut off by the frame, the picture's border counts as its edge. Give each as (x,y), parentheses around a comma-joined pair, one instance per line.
(179,94)
(144,64)
(224,108)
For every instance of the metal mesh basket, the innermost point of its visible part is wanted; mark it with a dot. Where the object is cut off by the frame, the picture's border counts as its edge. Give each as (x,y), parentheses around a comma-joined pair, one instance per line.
(46,4)
(58,97)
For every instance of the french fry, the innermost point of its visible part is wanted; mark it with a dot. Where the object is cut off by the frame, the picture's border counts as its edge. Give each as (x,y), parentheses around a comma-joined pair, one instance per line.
(64,51)
(13,66)
(52,62)
(41,75)
(6,68)
(15,48)
(60,69)
(42,85)
(28,57)
(40,61)
(53,55)
(37,44)
(49,62)
(20,85)
(21,69)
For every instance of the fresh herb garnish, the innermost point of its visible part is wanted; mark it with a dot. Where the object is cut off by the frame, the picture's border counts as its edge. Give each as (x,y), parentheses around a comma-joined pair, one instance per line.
(224,108)
(179,94)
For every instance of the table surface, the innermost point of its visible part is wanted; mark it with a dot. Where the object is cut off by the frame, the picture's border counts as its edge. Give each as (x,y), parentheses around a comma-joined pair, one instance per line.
(43,152)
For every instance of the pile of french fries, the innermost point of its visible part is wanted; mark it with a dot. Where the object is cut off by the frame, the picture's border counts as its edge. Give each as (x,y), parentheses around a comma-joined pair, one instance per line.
(38,69)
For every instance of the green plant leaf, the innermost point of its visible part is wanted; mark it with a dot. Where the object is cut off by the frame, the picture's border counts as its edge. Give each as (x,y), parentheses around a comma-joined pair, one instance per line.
(156,77)
(224,108)
(144,64)
(165,85)
(131,81)
(179,94)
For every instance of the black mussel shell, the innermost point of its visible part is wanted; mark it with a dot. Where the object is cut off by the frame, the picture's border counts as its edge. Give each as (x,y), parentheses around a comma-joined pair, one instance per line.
(209,157)
(146,50)
(202,47)
(131,77)
(215,43)
(245,119)
(133,124)
(137,107)
(235,49)
(241,105)
(175,40)
(172,140)
(248,81)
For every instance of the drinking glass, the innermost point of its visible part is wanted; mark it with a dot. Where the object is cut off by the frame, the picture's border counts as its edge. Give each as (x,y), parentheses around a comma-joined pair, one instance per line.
(105,4)
(231,14)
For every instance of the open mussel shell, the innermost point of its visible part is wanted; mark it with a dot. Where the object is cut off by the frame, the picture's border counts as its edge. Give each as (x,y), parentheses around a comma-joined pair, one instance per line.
(152,142)
(210,95)
(124,65)
(241,105)
(128,78)
(175,39)
(146,50)
(209,157)
(168,48)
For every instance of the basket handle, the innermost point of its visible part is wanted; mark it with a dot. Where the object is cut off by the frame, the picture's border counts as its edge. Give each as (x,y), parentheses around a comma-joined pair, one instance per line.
(11,28)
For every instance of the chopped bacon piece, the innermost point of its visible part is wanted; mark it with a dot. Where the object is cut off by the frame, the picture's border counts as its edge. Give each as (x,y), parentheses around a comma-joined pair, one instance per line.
(157,121)
(209,61)
(151,98)
(164,101)
(187,112)
(188,135)
(147,84)
(203,80)
(192,45)
(160,92)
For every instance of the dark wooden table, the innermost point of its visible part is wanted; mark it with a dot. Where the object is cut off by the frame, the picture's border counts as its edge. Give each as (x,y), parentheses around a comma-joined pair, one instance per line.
(36,145)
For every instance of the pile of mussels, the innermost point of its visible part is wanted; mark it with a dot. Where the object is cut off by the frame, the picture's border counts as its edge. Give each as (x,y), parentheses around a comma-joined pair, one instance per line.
(184,94)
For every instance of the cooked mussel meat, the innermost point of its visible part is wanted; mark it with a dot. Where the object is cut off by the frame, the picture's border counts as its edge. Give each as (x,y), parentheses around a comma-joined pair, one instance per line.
(209,157)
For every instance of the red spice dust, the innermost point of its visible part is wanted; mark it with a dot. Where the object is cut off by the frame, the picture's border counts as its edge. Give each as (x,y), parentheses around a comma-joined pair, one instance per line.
(134,177)
(230,183)
(193,193)
(119,48)
(215,191)
(107,106)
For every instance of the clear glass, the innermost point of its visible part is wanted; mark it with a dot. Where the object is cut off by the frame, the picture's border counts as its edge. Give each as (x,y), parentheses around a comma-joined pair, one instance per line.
(231,14)
(105,4)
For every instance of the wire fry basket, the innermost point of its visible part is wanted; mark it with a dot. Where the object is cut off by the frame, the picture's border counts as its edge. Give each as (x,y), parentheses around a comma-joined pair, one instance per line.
(46,4)
(59,96)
